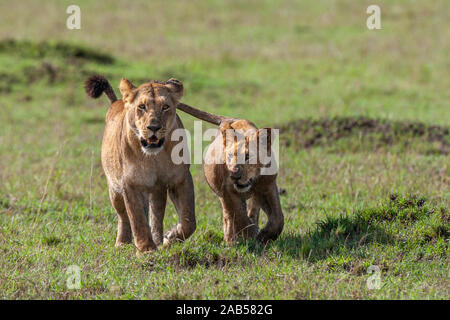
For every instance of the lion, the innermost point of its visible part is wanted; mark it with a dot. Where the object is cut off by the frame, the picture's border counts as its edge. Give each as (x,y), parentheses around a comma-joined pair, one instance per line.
(136,160)
(235,181)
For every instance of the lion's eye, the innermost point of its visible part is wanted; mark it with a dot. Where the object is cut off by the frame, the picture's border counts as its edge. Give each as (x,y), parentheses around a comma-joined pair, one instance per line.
(141,106)
(166,107)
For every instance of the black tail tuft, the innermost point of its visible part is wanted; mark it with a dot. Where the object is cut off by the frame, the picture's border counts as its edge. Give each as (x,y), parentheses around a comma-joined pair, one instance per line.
(96,85)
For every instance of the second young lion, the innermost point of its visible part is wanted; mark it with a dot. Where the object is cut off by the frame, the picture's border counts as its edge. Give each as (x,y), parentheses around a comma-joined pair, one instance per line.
(233,171)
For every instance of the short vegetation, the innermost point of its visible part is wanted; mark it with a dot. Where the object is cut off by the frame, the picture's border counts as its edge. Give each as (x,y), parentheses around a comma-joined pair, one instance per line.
(364,123)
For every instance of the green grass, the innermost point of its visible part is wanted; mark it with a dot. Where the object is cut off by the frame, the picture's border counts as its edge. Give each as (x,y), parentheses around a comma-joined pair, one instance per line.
(364,147)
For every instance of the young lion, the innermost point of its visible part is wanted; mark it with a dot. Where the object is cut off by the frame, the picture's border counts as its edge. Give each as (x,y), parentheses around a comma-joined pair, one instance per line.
(136,151)
(233,170)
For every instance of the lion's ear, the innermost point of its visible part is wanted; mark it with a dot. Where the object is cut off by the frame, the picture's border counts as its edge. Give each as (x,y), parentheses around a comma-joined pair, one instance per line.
(224,126)
(227,132)
(126,89)
(175,88)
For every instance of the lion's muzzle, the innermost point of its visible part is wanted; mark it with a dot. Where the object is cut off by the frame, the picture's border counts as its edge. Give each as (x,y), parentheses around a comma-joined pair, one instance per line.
(152,143)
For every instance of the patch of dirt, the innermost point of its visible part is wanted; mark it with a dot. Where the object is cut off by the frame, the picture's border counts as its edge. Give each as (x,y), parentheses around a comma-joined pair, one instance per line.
(45,70)
(308,133)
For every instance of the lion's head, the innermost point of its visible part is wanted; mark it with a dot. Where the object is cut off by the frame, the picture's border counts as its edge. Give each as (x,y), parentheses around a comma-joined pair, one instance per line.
(246,151)
(151,110)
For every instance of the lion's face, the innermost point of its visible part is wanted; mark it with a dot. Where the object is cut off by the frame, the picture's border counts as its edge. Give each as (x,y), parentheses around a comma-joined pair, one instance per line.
(242,154)
(151,111)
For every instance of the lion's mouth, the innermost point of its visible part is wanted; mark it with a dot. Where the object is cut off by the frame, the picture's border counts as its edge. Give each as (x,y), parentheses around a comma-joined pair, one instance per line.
(152,143)
(243,187)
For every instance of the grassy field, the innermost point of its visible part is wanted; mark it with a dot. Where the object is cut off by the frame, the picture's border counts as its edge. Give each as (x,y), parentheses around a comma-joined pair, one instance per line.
(364,146)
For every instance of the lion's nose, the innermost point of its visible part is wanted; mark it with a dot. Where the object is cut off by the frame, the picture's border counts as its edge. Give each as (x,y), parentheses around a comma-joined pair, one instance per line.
(154,127)
(236,173)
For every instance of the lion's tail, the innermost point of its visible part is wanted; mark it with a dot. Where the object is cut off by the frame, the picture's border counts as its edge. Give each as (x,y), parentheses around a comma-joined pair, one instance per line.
(203,115)
(96,85)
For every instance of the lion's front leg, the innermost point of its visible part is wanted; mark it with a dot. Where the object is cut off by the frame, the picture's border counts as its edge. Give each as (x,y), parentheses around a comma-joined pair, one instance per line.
(158,199)
(270,203)
(236,223)
(253,210)
(136,203)
(123,223)
(182,196)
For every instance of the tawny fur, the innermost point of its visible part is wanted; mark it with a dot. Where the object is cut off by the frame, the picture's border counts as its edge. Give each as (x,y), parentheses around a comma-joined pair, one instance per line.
(140,177)
(240,220)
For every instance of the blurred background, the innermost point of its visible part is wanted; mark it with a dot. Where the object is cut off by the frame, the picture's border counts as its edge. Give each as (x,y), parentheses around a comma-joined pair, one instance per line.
(363,114)
(307,58)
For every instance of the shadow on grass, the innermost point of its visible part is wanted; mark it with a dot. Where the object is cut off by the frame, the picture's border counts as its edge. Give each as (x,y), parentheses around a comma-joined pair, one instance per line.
(329,236)
(341,233)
